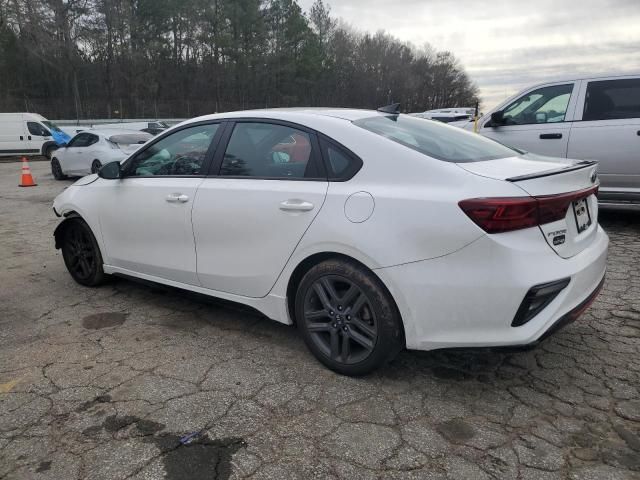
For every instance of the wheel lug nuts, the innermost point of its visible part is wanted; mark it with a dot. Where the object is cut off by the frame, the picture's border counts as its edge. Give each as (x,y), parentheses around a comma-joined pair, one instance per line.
(339,307)
(334,325)
(345,328)
(331,313)
(348,317)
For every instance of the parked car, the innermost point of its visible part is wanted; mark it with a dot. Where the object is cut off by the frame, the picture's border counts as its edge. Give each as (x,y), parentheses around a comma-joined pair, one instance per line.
(447,115)
(371,231)
(593,118)
(28,134)
(90,149)
(149,127)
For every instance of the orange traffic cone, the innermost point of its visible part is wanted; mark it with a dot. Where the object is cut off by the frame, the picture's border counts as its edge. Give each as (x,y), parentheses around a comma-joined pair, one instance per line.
(27,178)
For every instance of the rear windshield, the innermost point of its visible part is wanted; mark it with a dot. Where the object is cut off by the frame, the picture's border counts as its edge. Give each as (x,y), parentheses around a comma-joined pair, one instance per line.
(443,142)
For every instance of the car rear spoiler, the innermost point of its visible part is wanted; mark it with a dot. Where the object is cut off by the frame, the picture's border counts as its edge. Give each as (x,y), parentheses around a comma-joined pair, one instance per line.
(547,173)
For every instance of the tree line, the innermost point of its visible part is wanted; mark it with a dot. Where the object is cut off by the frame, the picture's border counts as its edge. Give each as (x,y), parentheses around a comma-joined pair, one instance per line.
(176,58)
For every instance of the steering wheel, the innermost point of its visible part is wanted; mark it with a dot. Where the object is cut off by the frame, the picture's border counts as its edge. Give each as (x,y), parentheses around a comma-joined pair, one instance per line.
(185,165)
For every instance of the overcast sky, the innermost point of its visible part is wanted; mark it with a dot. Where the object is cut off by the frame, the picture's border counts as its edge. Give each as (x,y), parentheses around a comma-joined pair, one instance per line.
(508,44)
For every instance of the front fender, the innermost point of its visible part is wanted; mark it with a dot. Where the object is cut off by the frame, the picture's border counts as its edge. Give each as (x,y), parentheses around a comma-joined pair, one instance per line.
(58,233)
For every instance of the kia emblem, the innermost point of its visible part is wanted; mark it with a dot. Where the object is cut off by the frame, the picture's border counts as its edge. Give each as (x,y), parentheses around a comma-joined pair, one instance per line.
(594,176)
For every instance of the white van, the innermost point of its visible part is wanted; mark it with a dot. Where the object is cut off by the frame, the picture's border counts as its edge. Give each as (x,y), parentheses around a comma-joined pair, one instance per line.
(26,134)
(593,118)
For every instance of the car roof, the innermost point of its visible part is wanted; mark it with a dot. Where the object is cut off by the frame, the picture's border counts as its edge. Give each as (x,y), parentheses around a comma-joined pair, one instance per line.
(298,114)
(588,77)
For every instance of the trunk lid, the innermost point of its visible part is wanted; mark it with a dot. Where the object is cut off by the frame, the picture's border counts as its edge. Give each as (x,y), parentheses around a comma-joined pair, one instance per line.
(547,178)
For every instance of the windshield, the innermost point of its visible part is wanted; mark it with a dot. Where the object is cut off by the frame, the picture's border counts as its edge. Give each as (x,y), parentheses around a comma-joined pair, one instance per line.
(52,126)
(446,143)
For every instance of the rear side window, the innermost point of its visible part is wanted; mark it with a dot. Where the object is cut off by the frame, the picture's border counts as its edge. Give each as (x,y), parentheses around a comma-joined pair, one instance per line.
(612,99)
(341,163)
(267,150)
(432,138)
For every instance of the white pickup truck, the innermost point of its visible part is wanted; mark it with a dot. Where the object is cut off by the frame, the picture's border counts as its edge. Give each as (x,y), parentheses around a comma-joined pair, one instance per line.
(594,118)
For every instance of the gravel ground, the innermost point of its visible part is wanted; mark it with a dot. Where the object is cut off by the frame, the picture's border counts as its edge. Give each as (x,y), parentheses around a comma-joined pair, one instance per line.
(104,383)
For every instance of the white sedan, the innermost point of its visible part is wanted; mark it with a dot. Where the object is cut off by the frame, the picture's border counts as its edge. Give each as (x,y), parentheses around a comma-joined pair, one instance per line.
(370,230)
(87,151)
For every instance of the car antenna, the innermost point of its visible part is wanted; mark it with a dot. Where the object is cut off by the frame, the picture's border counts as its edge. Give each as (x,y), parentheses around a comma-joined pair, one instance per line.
(394,109)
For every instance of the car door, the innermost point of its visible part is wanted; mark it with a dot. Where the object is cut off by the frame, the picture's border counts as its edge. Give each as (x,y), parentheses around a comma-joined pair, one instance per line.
(37,134)
(267,186)
(86,154)
(71,157)
(146,215)
(608,130)
(538,121)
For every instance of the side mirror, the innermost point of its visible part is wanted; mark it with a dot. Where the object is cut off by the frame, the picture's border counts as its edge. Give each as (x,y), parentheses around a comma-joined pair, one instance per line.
(497,118)
(110,171)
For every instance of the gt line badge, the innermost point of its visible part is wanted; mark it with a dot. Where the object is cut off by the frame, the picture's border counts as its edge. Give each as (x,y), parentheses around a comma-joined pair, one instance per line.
(558,237)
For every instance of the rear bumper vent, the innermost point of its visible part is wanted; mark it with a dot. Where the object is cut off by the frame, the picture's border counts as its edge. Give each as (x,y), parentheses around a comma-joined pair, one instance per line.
(536,299)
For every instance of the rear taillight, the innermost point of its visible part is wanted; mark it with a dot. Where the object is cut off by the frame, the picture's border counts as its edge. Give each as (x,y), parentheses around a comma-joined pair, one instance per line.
(505,214)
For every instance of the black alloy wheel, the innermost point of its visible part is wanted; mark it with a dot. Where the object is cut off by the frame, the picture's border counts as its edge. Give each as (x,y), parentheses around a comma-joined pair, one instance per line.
(81,254)
(95,166)
(56,170)
(347,317)
(340,320)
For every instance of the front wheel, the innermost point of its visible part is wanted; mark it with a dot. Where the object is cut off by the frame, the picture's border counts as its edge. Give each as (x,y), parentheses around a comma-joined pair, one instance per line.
(81,254)
(56,170)
(95,166)
(48,152)
(347,317)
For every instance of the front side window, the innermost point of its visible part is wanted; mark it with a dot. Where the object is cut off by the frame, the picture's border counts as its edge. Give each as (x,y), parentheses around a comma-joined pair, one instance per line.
(38,130)
(544,105)
(435,139)
(612,99)
(267,150)
(181,153)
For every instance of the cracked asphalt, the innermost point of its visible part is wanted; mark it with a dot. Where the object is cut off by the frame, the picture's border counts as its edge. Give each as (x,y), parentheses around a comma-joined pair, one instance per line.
(143,382)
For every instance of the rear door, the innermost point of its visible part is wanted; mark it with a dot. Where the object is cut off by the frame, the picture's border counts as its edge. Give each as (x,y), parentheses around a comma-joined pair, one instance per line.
(267,186)
(608,130)
(538,121)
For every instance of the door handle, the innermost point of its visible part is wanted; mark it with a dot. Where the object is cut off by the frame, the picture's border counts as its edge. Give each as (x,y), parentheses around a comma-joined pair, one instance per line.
(296,206)
(177,198)
(21,137)
(638,133)
(550,136)
(29,137)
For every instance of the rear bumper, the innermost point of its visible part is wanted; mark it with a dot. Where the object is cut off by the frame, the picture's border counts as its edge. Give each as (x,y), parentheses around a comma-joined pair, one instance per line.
(572,315)
(470,298)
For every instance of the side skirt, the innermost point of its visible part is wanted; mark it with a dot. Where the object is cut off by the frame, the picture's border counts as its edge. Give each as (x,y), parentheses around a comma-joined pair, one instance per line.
(272,306)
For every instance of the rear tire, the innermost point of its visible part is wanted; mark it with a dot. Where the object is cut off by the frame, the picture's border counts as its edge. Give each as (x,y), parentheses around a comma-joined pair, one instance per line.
(95,166)
(347,317)
(81,254)
(56,170)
